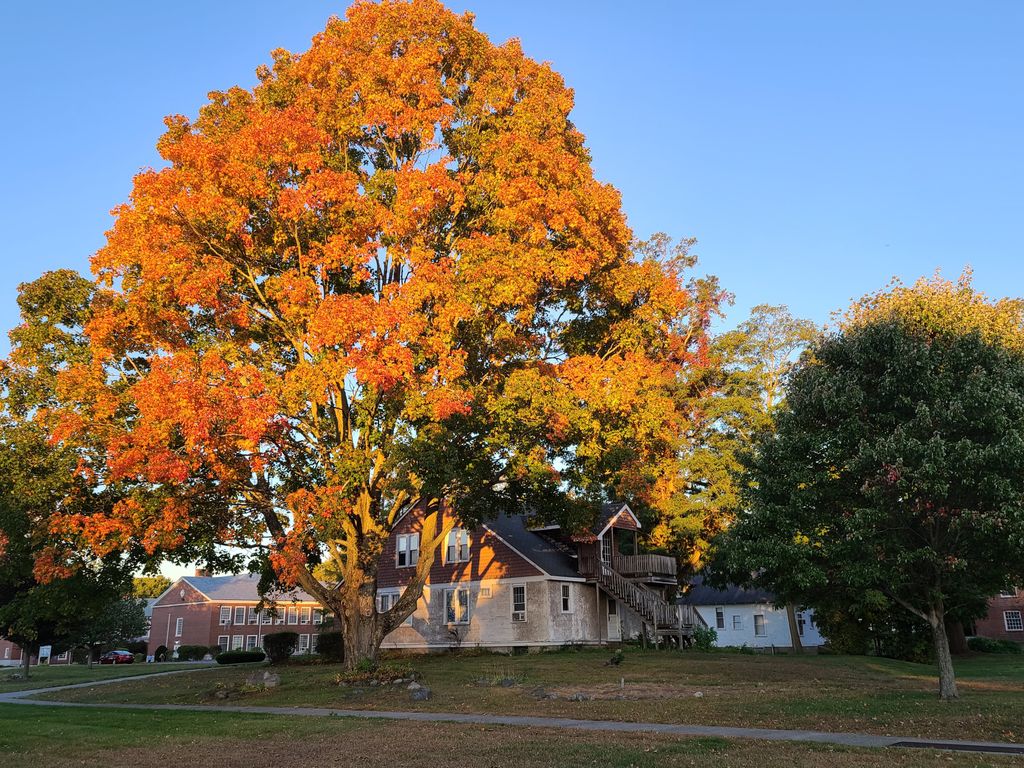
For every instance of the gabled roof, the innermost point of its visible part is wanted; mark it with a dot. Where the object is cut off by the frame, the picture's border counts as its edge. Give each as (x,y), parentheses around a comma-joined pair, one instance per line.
(242,586)
(543,552)
(702,594)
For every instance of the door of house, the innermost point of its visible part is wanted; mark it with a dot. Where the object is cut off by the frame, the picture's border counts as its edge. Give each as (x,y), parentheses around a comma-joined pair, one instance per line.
(614,627)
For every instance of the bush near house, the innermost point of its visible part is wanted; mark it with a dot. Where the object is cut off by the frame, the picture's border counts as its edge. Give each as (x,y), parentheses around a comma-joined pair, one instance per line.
(704,638)
(240,657)
(192,652)
(279,646)
(330,646)
(988,645)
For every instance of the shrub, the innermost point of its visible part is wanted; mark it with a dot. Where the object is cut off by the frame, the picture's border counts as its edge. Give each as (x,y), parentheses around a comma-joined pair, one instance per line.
(382,673)
(704,638)
(330,646)
(140,658)
(988,645)
(280,645)
(192,652)
(240,657)
(161,654)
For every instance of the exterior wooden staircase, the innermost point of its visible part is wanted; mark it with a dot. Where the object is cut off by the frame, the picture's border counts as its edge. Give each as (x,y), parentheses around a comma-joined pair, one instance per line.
(662,619)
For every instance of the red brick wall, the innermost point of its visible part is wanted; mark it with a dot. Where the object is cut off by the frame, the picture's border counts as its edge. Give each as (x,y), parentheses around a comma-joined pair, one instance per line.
(201,620)
(489,558)
(993,625)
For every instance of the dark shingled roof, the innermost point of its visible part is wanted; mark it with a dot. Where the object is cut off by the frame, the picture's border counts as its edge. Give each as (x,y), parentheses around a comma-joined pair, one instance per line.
(701,594)
(542,551)
(608,510)
(243,586)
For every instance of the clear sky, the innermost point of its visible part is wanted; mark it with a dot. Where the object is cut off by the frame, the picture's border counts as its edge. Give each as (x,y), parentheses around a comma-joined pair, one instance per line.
(815,149)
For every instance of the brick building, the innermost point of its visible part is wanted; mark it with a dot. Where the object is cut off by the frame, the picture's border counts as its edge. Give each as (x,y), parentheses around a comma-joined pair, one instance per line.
(1005,617)
(222,611)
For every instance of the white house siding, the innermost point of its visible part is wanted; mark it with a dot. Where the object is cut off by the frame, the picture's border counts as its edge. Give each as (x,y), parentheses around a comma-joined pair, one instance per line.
(490,618)
(776,627)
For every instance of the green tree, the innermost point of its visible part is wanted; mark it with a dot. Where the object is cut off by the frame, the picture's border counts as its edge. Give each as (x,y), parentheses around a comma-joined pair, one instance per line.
(736,396)
(896,471)
(117,620)
(150,586)
(48,588)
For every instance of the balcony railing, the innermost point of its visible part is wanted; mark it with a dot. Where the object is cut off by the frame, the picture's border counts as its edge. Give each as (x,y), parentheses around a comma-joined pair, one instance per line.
(645,566)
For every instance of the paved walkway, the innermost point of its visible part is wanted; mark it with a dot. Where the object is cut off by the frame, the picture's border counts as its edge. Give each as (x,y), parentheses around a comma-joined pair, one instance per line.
(672,729)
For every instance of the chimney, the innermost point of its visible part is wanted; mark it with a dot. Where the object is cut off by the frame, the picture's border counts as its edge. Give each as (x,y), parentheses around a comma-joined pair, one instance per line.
(203,572)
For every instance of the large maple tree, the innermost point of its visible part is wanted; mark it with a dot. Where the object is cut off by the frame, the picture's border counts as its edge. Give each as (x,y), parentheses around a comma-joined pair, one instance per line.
(383,278)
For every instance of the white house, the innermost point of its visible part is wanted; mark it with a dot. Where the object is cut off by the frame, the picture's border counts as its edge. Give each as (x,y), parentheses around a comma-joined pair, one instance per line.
(747,617)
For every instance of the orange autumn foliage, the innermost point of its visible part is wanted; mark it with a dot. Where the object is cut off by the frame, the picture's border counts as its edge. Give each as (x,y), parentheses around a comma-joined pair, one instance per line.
(385,276)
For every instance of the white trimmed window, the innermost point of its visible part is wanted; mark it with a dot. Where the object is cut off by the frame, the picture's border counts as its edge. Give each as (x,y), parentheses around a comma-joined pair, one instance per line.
(225,615)
(266,617)
(7,652)
(254,616)
(567,598)
(719,618)
(485,592)
(303,644)
(1008,592)
(518,602)
(304,615)
(280,616)
(314,642)
(458,546)
(456,605)
(801,623)
(240,614)
(237,641)
(1013,621)
(293,615)
(737,622)
(407,550)
(179,626)
(250,642)
(760,628)
(222,642)
(385,600)
(318,617)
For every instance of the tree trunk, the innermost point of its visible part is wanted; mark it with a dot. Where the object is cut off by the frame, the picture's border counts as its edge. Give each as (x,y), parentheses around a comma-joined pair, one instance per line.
(358,614)
(26,660)
(957,637)
(947,677)
(794,630)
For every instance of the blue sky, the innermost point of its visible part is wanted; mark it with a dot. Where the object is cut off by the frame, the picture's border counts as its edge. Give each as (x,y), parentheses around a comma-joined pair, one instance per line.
(814,149)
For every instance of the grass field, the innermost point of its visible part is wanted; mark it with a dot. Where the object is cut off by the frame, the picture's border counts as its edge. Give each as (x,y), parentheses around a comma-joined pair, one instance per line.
(68,674)
(45,737)
(831,693)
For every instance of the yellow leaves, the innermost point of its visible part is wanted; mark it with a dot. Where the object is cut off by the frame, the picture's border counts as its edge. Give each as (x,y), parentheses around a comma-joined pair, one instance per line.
(936,304)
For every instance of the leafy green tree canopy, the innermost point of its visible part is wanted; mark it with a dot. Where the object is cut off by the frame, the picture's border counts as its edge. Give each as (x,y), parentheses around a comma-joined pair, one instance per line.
(897,470)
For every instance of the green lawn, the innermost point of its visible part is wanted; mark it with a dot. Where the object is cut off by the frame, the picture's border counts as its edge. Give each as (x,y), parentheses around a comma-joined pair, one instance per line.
(68,674)
(816,692)
(45,737)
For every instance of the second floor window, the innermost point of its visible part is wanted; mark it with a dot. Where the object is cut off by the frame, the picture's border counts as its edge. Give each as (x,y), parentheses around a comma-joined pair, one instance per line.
(240,615)
(408,548)
(179,627)
(458,546)
(225,614)
(719,618)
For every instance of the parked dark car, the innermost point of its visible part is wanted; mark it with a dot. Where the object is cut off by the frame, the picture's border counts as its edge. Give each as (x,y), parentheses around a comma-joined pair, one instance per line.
(117,657)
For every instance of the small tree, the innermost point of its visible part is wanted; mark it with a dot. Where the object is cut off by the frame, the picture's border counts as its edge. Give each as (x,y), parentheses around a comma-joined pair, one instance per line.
(897,469)
(119,621)
(279,646)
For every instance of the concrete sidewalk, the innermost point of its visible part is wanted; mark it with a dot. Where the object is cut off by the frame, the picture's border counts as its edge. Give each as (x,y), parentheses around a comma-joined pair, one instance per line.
(672,729)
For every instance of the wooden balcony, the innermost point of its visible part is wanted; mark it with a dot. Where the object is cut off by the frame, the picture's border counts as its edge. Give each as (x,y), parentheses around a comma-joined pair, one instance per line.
(655,568)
